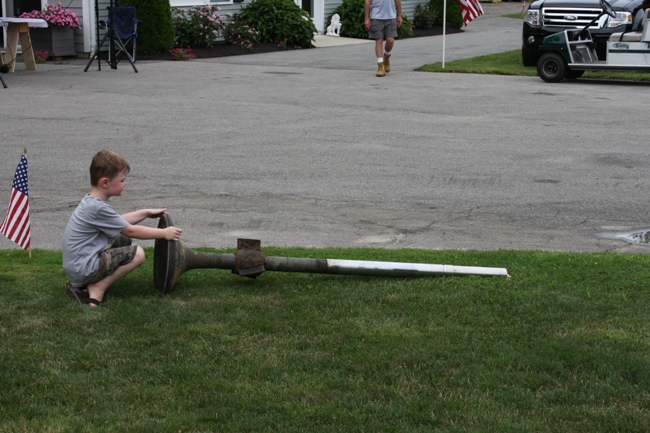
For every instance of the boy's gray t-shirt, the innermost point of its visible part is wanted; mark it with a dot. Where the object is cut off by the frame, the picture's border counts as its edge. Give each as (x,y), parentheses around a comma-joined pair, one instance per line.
(91,229)
(382,10)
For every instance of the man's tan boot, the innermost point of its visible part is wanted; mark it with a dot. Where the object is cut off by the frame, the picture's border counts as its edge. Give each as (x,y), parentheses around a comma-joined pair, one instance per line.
(387,63)
(380,70)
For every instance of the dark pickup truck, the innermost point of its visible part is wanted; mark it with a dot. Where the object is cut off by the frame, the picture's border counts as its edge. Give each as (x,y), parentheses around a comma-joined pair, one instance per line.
(545,17)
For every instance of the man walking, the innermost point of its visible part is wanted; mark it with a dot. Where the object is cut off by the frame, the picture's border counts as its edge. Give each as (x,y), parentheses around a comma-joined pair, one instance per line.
(383,17)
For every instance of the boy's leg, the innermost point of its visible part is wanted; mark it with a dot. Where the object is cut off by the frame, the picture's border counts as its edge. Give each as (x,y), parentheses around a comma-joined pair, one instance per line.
(82,292)
(121,241)
(115,263)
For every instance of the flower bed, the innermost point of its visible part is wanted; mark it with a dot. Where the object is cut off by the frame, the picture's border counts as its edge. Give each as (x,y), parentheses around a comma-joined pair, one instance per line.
(55,15)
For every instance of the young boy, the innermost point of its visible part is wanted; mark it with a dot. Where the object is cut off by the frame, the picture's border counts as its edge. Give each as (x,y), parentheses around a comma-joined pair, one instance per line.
(97,248)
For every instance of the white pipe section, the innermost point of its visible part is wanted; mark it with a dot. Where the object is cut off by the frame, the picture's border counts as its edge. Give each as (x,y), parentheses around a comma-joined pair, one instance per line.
(361,267)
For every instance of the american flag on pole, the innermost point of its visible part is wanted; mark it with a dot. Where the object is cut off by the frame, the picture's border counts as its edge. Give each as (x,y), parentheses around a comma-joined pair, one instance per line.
(471,9)
(15,226)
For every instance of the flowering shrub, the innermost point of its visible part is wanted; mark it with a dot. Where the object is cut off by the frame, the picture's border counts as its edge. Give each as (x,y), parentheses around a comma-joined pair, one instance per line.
(240,34)
(181,54)
(283,44)
(40,56)
(55,15)
(279,20)
(199,27)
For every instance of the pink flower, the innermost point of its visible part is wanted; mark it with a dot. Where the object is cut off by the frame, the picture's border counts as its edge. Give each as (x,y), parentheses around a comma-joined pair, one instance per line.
(55,15)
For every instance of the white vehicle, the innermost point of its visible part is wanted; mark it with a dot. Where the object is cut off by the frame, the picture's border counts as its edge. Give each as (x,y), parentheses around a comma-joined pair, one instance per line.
(570,53)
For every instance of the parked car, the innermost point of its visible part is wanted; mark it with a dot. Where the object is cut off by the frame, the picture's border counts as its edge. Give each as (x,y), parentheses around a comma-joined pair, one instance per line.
(546,17)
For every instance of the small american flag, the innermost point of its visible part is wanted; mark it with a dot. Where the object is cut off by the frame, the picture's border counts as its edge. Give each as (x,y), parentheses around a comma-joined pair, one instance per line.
(471,9)
(15,226)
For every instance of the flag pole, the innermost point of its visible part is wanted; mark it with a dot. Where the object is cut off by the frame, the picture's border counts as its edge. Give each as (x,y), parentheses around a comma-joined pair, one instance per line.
(444,31)
(29,250)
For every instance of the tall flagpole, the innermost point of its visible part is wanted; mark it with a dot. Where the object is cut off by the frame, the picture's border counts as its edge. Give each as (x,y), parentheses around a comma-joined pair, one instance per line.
(444,31)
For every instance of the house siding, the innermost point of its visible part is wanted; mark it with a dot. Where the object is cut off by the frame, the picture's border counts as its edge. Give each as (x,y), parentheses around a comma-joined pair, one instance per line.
(85,38)
(77,7)
(225,9)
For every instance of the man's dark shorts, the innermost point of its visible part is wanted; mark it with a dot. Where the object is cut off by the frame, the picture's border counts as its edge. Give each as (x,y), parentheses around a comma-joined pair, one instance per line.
(382,29)
(119,254)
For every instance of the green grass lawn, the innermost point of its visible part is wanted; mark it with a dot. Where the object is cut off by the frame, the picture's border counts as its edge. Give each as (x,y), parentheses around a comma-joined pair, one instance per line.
(509,63)
(562,346)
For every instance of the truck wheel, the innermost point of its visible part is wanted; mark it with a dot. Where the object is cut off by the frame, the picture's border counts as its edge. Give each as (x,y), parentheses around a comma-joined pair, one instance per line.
(572,75)
(551,68)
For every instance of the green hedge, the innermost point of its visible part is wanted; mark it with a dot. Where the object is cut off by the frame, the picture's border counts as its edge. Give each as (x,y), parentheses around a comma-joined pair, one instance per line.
(279,22)
(454,13)
(156,31)
(352,19)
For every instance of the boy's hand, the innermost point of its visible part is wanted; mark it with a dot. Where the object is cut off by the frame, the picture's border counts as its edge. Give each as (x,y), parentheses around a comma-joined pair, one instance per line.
(172,233)
(156,213)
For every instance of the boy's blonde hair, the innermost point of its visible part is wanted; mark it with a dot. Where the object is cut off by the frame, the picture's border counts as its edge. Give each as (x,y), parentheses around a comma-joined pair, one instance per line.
(107,164)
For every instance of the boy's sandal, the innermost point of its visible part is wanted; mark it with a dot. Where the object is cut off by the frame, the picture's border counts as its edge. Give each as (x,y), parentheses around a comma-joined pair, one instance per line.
(92,301)
(78,295)
(76,292)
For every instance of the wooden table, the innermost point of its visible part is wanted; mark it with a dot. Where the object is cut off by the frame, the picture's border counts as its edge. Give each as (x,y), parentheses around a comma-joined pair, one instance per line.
(18,28)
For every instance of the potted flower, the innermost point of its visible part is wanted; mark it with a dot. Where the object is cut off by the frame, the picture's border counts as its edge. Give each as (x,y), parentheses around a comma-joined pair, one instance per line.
(58,38)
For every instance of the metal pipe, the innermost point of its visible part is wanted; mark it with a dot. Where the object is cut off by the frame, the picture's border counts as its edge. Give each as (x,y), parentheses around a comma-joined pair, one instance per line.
(172,259)
(371,268)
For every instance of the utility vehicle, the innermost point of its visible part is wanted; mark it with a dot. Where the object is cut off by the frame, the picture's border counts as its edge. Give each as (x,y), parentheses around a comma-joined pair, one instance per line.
(546,17)
(570,53)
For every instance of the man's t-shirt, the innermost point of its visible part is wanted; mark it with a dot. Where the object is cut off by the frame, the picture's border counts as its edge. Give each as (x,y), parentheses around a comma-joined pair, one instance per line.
(91,229)
(382,10)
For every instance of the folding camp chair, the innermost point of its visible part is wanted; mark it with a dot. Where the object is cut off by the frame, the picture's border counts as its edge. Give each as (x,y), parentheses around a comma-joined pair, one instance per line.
(125,25)
(122,26)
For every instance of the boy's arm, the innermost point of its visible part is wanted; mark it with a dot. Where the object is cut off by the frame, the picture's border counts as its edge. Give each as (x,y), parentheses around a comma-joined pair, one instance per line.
(142,214)
(170,233)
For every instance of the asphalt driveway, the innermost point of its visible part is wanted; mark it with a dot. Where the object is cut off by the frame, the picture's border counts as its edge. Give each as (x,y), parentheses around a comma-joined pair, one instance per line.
(309,148)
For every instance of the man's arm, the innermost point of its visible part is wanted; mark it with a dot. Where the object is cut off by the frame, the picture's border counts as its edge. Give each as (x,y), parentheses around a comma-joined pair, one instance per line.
(367,13)
(398,6)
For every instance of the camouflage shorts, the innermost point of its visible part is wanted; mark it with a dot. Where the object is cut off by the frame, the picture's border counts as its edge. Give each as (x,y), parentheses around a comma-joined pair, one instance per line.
(114,257)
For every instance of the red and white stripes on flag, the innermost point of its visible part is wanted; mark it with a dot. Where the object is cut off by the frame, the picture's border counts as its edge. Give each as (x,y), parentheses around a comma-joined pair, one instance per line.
(471,9)
(15,226)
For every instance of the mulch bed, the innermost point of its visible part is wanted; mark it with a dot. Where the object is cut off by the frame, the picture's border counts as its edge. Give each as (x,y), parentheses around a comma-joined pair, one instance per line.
(221,49)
